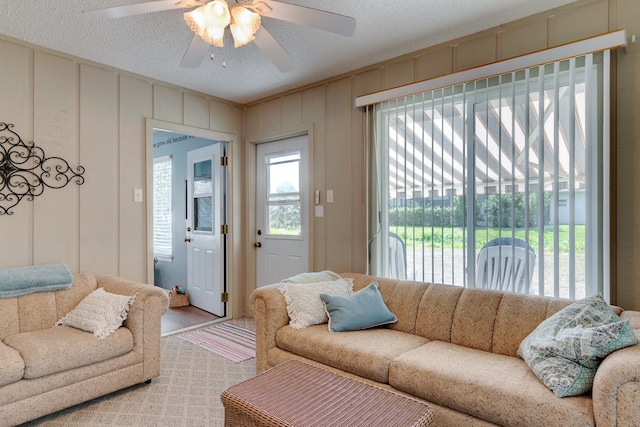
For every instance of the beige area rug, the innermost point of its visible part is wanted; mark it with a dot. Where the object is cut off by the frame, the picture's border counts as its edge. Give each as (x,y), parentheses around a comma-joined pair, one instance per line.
(187,392)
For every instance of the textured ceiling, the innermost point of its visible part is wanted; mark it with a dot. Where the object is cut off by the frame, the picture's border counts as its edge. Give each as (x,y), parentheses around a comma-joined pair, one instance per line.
(153,44)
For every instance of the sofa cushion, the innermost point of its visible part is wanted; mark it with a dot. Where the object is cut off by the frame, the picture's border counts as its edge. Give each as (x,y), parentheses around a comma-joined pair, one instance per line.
(52,350)
(366,353)
(362,310)
(473,326)
(496,388)
(517,316)
(565,350)
(12,366)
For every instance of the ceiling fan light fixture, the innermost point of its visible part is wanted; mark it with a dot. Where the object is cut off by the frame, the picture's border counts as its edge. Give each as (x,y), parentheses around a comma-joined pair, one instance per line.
(240,35)
(245,17)
(196,20)
(217,14)
(214,36)
(209,21)
(244,25)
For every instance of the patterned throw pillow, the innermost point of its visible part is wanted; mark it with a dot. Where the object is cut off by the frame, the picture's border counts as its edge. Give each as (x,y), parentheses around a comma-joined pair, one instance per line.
(566,349)
(99,312)
(304,306)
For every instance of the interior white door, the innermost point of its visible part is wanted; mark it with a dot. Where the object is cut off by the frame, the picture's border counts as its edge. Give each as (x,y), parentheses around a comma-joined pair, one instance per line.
(282,209)
(205,215)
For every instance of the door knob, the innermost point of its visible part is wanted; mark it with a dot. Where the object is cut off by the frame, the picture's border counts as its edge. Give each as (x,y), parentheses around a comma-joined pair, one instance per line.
(187,239)
(257,245)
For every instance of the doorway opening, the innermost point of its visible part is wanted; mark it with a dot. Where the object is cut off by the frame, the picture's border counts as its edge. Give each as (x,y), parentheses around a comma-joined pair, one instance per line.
(189,213)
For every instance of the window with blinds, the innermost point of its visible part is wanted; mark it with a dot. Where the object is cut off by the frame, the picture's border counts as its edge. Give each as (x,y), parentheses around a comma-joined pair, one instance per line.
(501,182)
(162,219)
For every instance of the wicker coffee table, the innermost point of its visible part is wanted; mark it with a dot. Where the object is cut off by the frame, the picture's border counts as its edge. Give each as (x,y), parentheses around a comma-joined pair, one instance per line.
(298,394)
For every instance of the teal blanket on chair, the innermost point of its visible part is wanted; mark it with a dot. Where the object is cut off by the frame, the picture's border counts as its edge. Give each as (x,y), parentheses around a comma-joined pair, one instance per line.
(16,281)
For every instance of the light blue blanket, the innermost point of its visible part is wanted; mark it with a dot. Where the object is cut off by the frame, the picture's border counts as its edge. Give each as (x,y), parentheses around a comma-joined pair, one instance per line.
(16,281)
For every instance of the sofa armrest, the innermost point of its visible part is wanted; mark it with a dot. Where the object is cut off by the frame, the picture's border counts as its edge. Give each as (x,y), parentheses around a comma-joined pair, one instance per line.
(144,319)
(616,389)
(270,314)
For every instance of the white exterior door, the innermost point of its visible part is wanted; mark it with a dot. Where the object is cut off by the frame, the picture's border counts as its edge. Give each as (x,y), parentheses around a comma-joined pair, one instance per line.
(282,210)
(204,239)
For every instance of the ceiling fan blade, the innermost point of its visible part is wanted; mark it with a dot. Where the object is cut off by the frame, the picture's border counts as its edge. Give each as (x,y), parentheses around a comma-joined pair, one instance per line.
(196,51)
(302,15)
(274,50)
(135,9)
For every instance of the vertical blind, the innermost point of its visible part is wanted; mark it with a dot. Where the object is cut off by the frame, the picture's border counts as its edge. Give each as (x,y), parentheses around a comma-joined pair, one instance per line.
(514,166)
(162,230)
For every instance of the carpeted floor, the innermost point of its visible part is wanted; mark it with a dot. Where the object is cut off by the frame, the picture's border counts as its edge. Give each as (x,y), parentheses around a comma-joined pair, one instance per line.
(187,393)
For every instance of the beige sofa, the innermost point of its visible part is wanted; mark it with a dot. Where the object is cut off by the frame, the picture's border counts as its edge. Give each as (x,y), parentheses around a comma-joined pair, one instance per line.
(60,367)
(455,349)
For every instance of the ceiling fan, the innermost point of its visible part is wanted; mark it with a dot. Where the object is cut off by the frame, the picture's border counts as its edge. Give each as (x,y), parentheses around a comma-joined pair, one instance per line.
(210,18)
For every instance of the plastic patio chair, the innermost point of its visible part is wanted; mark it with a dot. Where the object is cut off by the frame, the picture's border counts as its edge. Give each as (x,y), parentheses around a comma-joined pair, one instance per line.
(502,265)
(397,257)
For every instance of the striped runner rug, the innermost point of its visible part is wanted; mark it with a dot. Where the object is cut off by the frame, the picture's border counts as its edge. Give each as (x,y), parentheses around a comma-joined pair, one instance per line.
(226,339)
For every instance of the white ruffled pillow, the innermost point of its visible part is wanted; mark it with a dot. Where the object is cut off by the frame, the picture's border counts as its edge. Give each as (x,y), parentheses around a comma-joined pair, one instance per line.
(99,312)
(304,306)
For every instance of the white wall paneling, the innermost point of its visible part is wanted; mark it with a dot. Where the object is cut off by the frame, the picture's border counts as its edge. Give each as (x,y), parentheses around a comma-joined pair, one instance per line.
(16,107)
(99,155)
(56,130)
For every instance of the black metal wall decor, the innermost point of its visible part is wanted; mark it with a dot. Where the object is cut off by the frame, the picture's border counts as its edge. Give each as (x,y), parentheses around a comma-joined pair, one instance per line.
(25,171)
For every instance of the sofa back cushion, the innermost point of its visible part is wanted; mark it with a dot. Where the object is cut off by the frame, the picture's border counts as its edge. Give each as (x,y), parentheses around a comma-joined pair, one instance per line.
(9,311)
(41,310)
(517,316)
(404,303)
(435,314)
(482,319)
(475,317)
(402,298)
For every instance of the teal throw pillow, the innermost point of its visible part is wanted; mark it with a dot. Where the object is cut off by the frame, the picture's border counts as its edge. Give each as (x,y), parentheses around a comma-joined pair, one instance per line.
(361,310)
(565,350)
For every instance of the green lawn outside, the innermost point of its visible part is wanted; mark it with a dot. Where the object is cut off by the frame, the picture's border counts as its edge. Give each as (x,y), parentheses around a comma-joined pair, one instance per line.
(455,237)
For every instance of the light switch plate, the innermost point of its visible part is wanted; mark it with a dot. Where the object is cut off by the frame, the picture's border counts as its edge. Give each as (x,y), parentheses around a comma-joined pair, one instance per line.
(137,194)
(329,196)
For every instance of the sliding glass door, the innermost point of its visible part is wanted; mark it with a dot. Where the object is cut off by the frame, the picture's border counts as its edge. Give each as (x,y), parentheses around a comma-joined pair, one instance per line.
(500,182)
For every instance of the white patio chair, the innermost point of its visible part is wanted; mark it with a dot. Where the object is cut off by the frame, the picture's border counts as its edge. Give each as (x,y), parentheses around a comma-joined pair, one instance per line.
(502,265)
(397,257)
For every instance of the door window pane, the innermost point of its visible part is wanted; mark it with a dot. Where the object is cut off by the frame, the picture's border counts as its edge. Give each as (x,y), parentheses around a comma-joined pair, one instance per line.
(284,219)
(202,184)
(202,196)
(203,213)
(283,194)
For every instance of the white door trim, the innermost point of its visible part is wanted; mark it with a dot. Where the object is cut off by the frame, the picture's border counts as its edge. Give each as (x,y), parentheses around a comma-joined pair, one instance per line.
(250,251)
(233,211)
